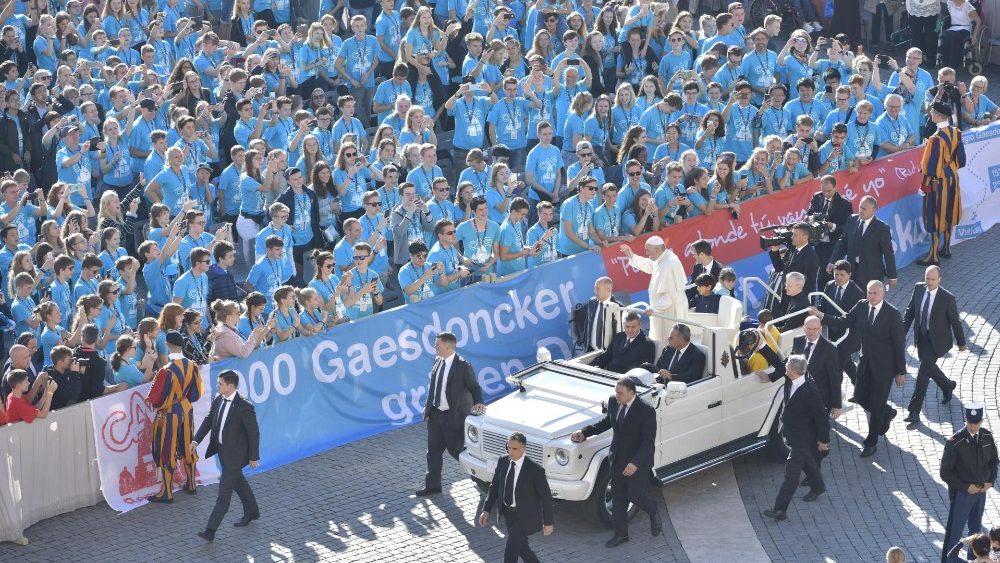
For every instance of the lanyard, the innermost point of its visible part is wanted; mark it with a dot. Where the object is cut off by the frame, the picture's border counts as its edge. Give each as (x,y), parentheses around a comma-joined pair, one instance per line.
(470,112)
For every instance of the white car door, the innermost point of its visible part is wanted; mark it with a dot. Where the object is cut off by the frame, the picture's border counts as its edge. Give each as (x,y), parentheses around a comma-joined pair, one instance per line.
(746,402)
(689,425)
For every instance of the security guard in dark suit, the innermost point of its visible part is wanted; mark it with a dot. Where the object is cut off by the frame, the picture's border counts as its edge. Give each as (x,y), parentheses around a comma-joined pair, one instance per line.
(969,467)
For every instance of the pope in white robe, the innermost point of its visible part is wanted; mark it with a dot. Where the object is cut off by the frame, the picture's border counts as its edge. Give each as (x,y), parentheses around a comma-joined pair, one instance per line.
(666,286)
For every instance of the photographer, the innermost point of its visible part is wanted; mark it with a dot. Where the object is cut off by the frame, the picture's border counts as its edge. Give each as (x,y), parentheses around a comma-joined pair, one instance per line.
(65,371)
(832,210)
(948,91)
(93,367)
(797,256)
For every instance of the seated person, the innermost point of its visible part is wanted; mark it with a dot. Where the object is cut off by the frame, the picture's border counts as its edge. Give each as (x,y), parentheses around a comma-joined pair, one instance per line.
(704,301)
(680,361)
(759,357)
(597,322)
(727,283)
(795,299)
(773,335)
(704,263)
(629,349)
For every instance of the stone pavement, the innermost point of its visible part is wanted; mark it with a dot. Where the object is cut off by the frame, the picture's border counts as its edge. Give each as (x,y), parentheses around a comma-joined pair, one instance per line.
(355,503)
(896,496)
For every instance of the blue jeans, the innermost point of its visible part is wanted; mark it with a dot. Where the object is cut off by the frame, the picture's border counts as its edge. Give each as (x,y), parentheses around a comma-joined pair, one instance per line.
(807,10)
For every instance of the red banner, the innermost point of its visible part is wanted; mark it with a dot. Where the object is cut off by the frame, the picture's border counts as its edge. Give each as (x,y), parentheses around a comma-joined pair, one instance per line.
(887,179)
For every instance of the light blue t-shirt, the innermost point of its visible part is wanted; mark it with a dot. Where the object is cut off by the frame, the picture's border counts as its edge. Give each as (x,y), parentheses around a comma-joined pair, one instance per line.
(513,239)
(545,163)
(477,245)
(193,290)
(580,217)
(409,274)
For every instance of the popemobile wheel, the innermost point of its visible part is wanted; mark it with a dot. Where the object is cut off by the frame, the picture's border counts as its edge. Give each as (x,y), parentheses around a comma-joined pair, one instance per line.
(757,13)
(600,499)
(975,68)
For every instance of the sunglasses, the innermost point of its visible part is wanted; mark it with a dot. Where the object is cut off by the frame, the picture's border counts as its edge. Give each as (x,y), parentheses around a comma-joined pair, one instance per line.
(374,203)
(583,154)
(448,232)
(634,174)
(360,258)
(350,154)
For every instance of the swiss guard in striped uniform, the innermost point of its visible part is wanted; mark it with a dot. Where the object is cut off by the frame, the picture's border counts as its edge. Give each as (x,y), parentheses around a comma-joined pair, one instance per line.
(944,154)
(175,388)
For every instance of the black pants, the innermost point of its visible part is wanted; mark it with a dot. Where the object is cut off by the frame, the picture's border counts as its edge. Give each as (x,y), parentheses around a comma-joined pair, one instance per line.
(882,18)
(875,399)
(268,16)
(441,436)
(928,370)
(844,352)
(629,489)
(924,36)
(800,458)
(232,479)
(954,52)
(517,541)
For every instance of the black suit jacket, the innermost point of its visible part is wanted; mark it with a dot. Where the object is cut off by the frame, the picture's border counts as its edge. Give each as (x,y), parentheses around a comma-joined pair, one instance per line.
(805,420)
(634,440)
(531,494)
(698,270)
(838,213)
(620,358)
(942,323)
(9,124)
(240,435)
(689,366)
(871,255)
(804,261)
(883,351)
(852,294)
(462,391)
(824,369)
(790,304)
(592,318)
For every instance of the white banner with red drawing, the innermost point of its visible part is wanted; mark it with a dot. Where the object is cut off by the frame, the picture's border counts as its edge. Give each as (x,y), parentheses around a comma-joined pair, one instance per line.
(123,428)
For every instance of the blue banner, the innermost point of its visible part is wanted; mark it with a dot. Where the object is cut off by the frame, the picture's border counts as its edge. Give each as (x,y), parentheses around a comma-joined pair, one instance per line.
(365,377)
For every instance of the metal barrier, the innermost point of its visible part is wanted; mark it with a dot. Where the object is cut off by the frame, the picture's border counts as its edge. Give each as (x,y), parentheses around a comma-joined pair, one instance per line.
(746,282)
(767,326)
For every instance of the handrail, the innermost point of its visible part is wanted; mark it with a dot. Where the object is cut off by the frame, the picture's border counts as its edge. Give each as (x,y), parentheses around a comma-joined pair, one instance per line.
(645,307)
(827,297)
(773,322)
(745,281)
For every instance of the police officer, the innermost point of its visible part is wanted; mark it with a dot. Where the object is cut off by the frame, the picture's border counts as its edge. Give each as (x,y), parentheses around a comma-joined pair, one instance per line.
(969,467)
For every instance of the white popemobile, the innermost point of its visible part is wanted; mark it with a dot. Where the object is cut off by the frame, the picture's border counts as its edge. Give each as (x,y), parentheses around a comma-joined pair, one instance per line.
(725,414)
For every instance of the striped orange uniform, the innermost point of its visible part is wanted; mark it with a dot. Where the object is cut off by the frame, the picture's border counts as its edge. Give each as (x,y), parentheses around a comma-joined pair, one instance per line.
(175,388)
(944,154)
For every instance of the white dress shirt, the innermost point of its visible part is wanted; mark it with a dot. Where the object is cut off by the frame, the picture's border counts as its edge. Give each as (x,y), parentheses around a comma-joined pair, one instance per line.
(444,382)
(227,405)
(601,305)
(930,304)
(877,309)
(811,350)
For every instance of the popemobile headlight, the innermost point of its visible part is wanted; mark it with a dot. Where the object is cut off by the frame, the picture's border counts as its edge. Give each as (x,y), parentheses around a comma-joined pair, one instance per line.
(562,456)
(472,433)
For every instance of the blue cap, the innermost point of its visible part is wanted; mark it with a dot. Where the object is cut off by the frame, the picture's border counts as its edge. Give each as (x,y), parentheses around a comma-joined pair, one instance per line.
(974,413)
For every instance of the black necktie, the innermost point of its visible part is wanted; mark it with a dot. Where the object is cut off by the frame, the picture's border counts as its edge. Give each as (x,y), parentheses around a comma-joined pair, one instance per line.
(809,349)
(871,316)
(627,342)
(437,381)
(925,312)
(508,487)
(218,421)
(826,206)
(788,391)
(600,325)
(673,361)
(621,414)
(840,295)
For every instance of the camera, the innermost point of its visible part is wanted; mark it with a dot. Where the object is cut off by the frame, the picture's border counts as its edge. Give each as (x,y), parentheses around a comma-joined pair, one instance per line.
(508,15)
(781,235)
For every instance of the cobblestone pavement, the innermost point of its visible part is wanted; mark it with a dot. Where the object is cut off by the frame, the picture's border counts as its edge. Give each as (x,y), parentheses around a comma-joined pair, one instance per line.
(355,503)
(896,496)
(351,504)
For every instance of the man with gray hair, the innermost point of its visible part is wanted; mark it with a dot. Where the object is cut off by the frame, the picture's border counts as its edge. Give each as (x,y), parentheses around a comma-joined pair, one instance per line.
(666,285)
(602,317)
(806,431)
(795,299)
(867,245)
(883,357)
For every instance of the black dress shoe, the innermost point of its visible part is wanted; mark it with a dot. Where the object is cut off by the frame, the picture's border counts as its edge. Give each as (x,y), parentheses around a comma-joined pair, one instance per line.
(161,499)
(926,262)
(245,521)
(776,515)
(615,541)
(428,491)
(805,482)
(888,420)
(852,399)
(655,524)
(945,254)
(868,451)
(207,535)
(949,393)
(813,495)
(912,419)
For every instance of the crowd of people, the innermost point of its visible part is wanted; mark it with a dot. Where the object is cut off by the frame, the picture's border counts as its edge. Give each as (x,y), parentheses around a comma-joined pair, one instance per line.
(248,172)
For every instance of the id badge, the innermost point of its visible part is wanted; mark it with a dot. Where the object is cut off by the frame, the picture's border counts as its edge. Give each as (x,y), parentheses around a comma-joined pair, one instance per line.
(366,303)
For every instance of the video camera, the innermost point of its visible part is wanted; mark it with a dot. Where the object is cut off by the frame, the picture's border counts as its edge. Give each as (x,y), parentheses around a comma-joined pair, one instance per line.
(781,235)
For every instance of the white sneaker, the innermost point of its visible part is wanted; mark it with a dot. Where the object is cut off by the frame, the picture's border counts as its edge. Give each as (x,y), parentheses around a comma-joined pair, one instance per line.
(817,26)
(807,27)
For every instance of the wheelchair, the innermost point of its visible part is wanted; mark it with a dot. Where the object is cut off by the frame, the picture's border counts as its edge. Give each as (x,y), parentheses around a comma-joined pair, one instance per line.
(977,49)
